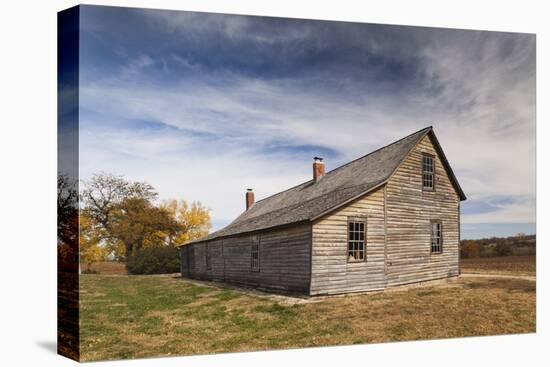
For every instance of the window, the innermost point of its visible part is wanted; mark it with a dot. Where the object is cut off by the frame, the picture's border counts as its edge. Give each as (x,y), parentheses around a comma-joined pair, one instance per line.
(436,237)
(428,172)
(255,255)
(208,259)
(356,240)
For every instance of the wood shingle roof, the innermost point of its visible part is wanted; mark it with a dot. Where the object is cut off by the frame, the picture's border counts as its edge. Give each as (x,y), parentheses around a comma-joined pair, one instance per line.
(312,199)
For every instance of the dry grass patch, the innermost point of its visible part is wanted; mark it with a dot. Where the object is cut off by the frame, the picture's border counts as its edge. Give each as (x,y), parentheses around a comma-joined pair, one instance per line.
(164,315)
(106,267)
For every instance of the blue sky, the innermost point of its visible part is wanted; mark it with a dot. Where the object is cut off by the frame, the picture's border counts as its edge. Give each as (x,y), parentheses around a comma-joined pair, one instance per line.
(203,106)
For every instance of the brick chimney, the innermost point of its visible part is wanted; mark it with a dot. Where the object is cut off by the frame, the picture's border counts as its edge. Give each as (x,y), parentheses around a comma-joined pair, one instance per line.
(318,168)
(249,198)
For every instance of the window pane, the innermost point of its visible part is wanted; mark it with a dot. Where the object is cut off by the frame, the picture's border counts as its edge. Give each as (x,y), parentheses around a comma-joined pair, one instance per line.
(435,237)
(430,164)
(427,172)
(356,240)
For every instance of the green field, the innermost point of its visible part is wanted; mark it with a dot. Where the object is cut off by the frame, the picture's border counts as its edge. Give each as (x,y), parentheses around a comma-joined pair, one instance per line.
(142,316)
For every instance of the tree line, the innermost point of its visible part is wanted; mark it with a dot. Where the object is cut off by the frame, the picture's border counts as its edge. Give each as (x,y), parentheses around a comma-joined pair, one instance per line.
(519,244)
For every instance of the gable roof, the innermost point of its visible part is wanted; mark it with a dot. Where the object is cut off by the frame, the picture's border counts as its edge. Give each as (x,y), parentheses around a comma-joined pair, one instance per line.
(312,199)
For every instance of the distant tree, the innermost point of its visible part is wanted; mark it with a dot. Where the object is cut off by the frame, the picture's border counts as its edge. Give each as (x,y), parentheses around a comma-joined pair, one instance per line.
(520,244)
(194,220)
(504,249)
(469,249)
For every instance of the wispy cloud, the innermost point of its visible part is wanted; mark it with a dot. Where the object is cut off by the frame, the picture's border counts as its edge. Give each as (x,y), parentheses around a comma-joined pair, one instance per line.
(203,106)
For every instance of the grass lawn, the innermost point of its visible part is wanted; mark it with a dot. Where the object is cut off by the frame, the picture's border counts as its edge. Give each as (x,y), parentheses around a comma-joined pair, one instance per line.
(143,316)
(512,265)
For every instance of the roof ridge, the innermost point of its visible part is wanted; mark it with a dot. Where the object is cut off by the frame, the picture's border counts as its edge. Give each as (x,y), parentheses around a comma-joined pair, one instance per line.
(348,163)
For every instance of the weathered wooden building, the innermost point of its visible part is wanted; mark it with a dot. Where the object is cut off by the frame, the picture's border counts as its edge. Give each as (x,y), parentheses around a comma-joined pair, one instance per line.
(388,218)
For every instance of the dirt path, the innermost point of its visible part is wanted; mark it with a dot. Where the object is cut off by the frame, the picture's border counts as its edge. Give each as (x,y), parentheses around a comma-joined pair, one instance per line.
(510,276)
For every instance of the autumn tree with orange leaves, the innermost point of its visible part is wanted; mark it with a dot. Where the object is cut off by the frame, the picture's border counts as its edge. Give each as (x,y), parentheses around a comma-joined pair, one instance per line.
(194,220)
(123,218)
(90,248)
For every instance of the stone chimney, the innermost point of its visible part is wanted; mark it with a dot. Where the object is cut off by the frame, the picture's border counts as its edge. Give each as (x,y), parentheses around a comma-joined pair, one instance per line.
(249,198)
(318,168)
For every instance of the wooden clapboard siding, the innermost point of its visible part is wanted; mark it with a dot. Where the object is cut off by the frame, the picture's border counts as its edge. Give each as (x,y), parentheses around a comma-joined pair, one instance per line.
(409,211)
(284,259)
(184,261)
(216,259)
(331,273)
